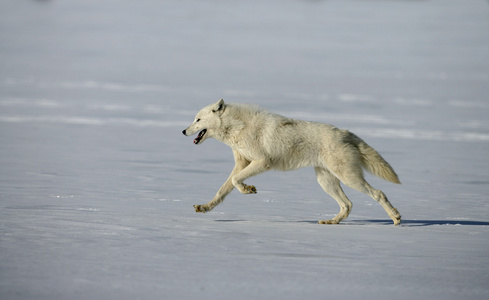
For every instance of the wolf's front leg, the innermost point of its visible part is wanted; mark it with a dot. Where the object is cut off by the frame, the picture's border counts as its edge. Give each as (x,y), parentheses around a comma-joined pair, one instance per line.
(254,168)
(202,208)
(226,188)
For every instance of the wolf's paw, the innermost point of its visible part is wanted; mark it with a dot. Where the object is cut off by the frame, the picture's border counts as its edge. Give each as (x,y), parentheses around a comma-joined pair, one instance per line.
(200,208)
(396,217)
(248,189)
(328,222)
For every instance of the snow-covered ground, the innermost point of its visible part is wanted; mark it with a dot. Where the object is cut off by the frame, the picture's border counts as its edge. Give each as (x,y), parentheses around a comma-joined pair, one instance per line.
(97,182)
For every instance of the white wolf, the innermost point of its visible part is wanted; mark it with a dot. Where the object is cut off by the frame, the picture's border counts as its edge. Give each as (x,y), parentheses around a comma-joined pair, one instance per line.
(262,141)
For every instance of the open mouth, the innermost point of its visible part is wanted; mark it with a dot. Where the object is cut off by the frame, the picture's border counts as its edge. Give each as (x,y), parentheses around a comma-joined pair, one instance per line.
(200,136)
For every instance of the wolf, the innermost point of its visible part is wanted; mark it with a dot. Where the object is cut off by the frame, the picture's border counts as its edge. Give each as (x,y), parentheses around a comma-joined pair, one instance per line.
(261,141)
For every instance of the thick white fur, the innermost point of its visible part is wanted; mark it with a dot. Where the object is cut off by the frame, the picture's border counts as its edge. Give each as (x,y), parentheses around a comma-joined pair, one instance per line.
(261,141)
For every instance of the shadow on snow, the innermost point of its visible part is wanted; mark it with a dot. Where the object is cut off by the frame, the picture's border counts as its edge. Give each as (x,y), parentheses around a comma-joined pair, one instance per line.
(410,223)
(424,222)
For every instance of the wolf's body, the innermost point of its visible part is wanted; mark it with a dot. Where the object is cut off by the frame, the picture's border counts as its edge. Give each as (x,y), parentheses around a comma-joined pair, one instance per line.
(262,141)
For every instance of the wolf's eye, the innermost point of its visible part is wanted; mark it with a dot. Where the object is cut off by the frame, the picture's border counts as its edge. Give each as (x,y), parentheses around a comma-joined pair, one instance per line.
(198,120)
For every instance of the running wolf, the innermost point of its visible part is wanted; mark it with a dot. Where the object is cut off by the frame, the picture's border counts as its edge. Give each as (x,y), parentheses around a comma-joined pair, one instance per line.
(261,141)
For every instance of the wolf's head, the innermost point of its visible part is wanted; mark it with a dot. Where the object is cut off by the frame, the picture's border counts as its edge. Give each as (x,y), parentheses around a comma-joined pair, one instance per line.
(207,122)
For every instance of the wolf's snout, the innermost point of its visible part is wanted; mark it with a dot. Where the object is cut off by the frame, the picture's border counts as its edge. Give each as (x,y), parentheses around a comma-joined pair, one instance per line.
(184,132)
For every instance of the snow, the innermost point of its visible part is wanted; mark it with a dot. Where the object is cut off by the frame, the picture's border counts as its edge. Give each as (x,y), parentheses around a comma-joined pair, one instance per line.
(97,182)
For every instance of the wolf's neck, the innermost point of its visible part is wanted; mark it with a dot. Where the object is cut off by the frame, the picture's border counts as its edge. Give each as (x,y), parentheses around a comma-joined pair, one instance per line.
(233,121)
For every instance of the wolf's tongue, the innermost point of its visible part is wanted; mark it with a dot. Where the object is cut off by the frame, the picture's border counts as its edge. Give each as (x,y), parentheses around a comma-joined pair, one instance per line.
(200,136)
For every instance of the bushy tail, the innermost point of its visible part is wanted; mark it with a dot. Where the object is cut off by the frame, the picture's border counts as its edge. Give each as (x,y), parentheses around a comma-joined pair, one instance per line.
(376,164)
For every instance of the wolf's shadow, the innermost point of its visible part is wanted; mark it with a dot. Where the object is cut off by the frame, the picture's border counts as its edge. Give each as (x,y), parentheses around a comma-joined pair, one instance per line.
(415,223)
(410,223)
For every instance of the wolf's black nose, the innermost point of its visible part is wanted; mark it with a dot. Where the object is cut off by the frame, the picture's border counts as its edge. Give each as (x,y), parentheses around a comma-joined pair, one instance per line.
(184,132)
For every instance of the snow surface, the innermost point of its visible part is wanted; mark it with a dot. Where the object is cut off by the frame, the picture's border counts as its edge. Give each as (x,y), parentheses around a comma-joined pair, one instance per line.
(97,182)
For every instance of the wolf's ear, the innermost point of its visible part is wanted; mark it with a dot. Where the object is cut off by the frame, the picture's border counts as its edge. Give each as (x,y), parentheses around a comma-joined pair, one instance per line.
(218,106)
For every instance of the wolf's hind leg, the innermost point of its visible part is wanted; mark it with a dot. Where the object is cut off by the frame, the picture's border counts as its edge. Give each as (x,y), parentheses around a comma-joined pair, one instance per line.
(331,185)
(351,174)
(380,197)
(377,195)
